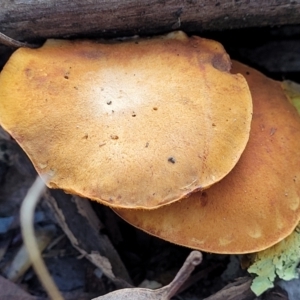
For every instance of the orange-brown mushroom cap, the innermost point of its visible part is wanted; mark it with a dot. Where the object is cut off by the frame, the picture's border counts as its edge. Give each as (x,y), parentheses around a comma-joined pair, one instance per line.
(257,203)
(134,124)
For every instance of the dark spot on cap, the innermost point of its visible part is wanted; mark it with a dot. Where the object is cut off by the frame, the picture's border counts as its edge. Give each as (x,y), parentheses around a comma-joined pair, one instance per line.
(109,102)
(171,159)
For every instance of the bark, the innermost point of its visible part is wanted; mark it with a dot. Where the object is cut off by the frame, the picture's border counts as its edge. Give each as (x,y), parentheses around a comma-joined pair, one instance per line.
(28,20)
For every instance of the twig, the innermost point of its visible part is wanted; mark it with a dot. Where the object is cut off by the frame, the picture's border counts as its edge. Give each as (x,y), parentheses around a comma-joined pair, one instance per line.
(7,41)
(183,274)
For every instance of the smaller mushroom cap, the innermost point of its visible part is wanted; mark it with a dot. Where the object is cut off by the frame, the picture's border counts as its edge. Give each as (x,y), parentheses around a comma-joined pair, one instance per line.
(136,124)
(257,204)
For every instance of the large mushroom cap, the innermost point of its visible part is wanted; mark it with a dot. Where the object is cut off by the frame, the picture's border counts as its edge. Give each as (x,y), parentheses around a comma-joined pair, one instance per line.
(135,124)
(257,203)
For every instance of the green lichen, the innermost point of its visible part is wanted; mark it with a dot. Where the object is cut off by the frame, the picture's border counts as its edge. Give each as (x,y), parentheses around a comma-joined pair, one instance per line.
(280,260)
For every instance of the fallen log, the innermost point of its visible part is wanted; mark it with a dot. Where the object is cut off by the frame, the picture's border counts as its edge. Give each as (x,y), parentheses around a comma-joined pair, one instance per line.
(41,19)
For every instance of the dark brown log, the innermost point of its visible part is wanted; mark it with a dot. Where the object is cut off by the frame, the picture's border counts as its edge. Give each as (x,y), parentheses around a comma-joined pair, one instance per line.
(26,20)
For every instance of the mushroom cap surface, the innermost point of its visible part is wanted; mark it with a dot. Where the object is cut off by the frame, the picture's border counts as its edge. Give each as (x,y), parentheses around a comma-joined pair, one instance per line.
(134,124)
(257,204)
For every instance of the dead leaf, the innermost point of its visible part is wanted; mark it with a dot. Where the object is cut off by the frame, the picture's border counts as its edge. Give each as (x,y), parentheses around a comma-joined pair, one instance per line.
(164,293)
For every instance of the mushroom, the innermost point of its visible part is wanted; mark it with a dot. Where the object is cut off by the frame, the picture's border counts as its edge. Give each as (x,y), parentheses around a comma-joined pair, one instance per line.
(133,124)
(257,204)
